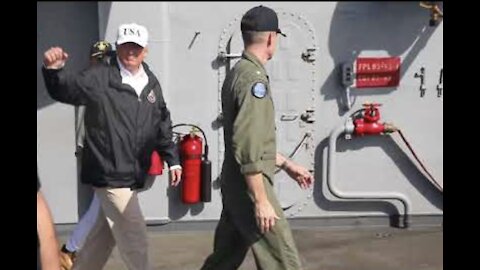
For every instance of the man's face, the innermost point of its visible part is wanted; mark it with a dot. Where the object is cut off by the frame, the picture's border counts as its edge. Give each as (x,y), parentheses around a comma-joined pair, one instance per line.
(131,55)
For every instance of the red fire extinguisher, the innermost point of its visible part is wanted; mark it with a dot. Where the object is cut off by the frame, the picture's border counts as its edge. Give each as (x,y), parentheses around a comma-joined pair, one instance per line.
(156,166)
(197,169)
(191,153)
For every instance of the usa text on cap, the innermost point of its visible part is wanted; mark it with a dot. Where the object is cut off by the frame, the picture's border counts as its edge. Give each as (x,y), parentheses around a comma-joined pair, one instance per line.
(132,33)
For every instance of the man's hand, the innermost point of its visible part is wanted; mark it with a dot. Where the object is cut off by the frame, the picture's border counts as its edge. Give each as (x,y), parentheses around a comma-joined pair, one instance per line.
(54,58)
(265,215)
(298,173)
(175,177)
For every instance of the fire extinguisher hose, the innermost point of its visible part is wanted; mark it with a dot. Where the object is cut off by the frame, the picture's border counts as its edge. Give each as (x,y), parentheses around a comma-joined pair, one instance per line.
(432,179)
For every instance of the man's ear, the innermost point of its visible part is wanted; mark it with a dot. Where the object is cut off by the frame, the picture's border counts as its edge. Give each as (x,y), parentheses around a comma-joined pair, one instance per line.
(269,39)
(145,51)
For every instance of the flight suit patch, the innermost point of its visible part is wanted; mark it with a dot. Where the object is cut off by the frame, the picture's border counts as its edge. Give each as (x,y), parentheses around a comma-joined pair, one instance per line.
(259,90)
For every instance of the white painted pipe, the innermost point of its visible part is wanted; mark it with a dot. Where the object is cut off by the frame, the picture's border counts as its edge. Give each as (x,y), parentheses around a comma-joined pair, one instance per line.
(347,127)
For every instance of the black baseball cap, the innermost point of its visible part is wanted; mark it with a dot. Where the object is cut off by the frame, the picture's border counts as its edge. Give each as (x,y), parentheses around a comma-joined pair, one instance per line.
(261,19)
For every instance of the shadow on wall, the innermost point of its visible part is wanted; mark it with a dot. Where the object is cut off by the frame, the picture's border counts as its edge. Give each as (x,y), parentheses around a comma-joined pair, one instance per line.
(105,9)
(176,208)
(356,27)
(346,206)
(390,147)
(58,25)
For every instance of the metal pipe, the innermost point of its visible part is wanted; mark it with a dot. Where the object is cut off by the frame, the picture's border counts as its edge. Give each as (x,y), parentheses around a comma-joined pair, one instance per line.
(362,196)
(347,94)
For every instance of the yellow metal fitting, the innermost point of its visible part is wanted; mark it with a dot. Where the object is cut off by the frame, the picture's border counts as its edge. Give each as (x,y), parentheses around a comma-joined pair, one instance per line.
(389,128)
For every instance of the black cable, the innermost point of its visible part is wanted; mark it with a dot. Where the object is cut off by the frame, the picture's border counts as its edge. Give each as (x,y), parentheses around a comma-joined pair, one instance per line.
(353,115)
(294,150)
(432,179)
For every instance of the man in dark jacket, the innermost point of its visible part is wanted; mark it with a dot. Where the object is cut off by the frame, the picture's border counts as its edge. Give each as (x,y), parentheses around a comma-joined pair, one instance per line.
(126,118)
(100,54)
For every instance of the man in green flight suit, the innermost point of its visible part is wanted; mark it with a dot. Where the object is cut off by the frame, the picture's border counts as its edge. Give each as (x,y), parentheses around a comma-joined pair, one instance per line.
(251,215)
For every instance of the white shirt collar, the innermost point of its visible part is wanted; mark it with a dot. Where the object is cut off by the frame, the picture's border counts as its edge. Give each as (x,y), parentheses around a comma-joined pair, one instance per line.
(137,81)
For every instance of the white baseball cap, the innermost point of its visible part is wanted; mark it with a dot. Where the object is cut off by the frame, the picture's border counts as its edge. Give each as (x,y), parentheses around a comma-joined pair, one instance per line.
(132,32)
